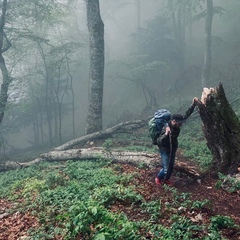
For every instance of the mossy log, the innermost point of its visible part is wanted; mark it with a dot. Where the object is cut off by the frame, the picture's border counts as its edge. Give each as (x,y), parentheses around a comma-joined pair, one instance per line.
(221,128)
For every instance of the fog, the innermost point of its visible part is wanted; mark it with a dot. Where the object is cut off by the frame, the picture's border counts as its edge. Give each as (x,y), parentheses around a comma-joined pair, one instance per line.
(146,67)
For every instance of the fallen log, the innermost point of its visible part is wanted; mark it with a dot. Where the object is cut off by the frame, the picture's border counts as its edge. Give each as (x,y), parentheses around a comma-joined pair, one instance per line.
(189,170)
(125,127)
(94,153)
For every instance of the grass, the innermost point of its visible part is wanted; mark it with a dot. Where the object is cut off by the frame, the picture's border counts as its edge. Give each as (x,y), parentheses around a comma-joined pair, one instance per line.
(76,201)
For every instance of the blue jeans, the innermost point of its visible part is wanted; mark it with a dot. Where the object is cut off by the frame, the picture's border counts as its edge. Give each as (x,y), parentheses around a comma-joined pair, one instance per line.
(165,163)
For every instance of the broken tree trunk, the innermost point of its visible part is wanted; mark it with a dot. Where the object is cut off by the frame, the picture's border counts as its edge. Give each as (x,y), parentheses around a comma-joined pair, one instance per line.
(221,128)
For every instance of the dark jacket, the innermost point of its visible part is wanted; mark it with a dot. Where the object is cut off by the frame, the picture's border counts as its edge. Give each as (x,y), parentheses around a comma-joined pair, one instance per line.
(163,141)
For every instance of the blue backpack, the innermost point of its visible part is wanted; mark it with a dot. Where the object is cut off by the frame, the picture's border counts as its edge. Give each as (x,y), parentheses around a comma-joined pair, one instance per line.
(160,119)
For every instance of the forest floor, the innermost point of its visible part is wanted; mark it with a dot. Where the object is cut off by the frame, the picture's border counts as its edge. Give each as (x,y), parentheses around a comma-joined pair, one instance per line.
(221,202)
(14,225)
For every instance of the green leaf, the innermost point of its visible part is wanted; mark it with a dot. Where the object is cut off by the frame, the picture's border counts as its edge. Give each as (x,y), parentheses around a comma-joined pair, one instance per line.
(94,211)
(100,236)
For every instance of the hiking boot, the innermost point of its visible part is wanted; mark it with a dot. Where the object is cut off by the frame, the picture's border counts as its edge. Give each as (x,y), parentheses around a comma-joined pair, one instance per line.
(169,183)
(158,181)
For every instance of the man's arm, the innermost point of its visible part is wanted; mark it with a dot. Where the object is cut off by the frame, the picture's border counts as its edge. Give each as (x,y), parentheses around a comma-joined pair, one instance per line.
(190,109)
(164,135)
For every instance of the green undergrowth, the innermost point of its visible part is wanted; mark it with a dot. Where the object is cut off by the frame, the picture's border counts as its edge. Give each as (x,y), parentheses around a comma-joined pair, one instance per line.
(77,201)
(229,183)
(129,142)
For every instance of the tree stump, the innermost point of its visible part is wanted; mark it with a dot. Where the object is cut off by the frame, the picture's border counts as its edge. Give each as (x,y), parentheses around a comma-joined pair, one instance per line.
(221,128)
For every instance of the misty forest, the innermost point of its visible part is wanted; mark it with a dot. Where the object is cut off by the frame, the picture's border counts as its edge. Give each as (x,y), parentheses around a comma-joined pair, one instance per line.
(80,81)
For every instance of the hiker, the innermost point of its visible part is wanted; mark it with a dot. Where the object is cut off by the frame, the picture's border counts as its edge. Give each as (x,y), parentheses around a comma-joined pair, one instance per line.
(167,143)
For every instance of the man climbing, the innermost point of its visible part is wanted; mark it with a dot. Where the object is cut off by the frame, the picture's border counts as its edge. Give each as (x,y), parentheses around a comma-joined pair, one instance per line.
(168,144)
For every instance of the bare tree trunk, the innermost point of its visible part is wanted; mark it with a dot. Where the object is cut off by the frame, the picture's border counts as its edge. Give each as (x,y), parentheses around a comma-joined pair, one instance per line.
(70,78)
(35,129)
(221,128)
(48,93)
(40,113)
(181,36)
(208,53)
(178,12)
(72,103)
(59,95)
(138,15)
(96,41)
(4,46)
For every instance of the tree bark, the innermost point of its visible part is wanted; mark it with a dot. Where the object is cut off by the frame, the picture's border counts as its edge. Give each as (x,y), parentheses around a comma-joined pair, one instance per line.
(208,52)
(221,128)
(96,75)
(3,48)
